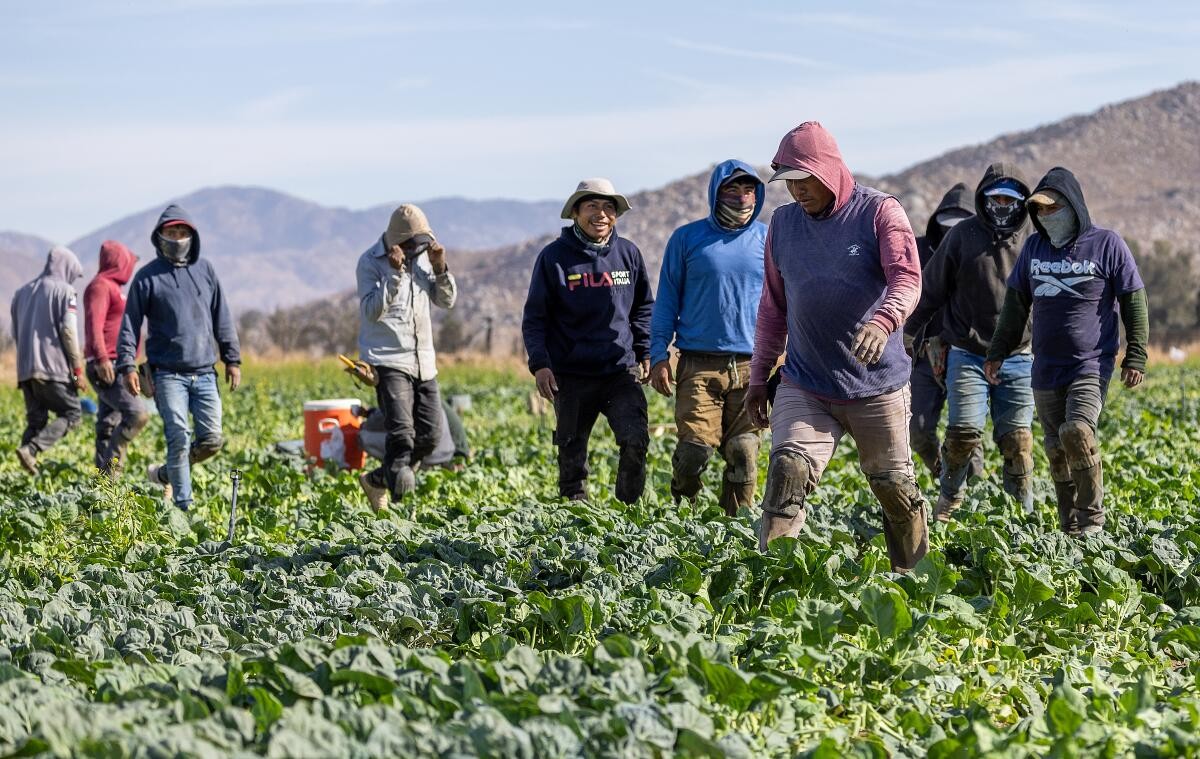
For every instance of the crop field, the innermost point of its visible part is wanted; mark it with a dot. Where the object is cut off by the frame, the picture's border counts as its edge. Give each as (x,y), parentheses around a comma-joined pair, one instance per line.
(491,620)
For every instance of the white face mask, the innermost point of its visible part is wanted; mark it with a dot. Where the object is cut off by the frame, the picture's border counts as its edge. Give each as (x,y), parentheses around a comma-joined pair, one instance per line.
(1061,226)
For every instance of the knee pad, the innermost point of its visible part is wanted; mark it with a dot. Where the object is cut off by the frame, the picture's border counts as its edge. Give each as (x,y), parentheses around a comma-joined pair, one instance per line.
(787,484)
(960,443)
(138,421)
(1017,449)
(1079,441)
(1060,471)
(207,448)
(687,464)
(741,458)
(899,496)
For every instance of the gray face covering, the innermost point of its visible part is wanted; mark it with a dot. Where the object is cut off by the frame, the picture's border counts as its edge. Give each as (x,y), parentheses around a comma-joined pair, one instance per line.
(1061,226)
(175,251)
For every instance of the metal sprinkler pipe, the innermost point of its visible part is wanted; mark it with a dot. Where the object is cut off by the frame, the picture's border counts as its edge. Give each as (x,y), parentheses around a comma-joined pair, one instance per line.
(236,477)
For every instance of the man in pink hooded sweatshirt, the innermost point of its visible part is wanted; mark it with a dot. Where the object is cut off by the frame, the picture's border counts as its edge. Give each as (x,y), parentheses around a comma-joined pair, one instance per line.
(842,274)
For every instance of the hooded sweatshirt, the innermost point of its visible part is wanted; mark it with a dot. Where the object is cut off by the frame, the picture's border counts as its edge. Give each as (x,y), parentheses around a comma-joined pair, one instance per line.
(185,309)
(967,273)
(587,312)
(1074,291)
(958,198)
(104,303)
(711,279)
(825,277)
(43,316)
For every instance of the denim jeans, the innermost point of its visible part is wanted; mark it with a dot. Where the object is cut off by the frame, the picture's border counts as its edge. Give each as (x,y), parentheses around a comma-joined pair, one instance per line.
(970,395)
(177,394)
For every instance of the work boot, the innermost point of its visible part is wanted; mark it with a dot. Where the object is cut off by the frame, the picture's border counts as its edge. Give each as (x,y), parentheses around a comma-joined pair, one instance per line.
(775,526)
(28,459)
(157,475)
(945,507)
(1064,494)
(377,497)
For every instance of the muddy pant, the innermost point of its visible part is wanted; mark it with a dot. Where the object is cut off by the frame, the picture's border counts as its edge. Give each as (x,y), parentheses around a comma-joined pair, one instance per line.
(119,418)
(710,415)
(580,400)
(928,400)
(412,416)
(1069,417)
(41,398)
(807,429)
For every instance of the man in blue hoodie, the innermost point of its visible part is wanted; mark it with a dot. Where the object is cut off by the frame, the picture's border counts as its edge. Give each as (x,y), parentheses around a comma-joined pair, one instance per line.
(708,290)
(587,332)
(180,298)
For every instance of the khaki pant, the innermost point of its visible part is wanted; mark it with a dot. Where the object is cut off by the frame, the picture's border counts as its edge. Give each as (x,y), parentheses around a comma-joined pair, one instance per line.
(710,415)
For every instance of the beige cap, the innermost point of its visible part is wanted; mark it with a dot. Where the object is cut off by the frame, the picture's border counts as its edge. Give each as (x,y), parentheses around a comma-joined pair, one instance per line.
(595,186)
(407,222)
(1045,198)
(787,172)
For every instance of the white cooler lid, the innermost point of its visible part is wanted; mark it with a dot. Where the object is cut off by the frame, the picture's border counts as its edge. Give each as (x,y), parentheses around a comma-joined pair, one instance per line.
(331,403)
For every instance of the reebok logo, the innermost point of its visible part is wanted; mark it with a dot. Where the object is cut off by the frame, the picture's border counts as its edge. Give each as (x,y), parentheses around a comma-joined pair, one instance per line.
(1063,267)
(598,279)
(1043,272)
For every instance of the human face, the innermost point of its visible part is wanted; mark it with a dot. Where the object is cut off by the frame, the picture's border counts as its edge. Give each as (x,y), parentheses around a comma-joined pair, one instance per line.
(596,217)
(176,232)
(1046,210)
(739,193)
(812,195)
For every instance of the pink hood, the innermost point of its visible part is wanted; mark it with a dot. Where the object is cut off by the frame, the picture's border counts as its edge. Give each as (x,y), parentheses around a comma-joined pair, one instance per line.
(812,148)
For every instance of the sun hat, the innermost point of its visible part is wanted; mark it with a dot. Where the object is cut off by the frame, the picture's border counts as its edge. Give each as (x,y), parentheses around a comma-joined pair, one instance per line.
(595,186)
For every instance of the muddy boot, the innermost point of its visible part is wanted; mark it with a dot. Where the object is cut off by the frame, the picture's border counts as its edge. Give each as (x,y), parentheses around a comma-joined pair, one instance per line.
(741,472)
(783,500)
(377,495)
(959,448)
(1087,474)
(1017,449)
(687,466)
(904,526)
(1064,488)
(631,473)
(28,459)
(945,508)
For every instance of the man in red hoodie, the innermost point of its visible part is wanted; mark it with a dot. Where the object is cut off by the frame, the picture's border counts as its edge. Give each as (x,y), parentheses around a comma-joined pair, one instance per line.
(120,416)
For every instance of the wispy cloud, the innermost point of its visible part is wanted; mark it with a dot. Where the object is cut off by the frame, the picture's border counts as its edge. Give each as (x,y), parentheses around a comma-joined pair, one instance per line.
(748,53)
(274,105)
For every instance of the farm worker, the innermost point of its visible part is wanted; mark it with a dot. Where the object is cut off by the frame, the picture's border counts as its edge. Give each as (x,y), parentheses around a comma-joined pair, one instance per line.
(929,346)
(841,276)
(180,298)
(399,277)
(586,328)
(965,282)
(708,291)
(119,416)
(1074,277)
(49,361)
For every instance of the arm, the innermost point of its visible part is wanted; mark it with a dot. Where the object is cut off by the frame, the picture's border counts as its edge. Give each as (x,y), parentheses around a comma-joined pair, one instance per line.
(770,331)
(1010,324)
(666,307)
(95,308)
(901,266)
(131,327)
(68,335)
(1135,316)
(641,310)
(224,329)
(375,294)
(533,322)
(444,290)
(937,285)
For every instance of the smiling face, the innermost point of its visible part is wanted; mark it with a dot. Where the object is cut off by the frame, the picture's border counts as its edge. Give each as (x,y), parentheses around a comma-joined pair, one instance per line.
(813,196)
(596,217)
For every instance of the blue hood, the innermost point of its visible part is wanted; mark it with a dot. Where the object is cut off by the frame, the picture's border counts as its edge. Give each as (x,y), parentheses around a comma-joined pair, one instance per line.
(722,172)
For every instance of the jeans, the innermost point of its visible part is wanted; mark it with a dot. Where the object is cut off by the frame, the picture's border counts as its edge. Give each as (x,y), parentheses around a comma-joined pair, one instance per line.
(413,418)
(176,394)
(119,418)
(970,395)
(42,397)
(579,402)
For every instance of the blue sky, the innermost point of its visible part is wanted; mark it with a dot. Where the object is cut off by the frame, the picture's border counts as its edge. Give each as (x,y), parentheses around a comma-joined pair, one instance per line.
(110,107)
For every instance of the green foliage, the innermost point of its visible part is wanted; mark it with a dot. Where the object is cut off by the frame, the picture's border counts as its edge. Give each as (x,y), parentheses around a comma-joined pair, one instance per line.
(492,620)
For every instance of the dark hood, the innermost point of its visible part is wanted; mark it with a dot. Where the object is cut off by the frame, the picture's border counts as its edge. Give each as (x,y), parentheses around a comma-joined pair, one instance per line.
(63,265)
(996,172)
(958,196)
(116,261)
(175,213)
(720,174)
(1064,183)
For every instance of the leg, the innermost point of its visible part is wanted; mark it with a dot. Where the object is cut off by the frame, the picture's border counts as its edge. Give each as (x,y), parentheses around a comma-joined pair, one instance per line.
(133,420)
(63,400)
(204,401)
(967,393)
(37,416)
(395,395)
(171,396)
(625,410)
(1052,411)
(107,419)
(698,407)
(1012,421)
(1084,402)
(804,434)
(740,446)
(427,418)
(576,409)
(928,398)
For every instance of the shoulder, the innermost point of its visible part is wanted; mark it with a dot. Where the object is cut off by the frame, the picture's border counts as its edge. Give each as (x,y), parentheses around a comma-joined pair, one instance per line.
(626,247)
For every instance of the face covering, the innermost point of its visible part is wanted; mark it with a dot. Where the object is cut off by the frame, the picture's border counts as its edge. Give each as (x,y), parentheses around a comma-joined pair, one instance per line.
(175,251)
(733,217)
(1002,216)
(1061,226)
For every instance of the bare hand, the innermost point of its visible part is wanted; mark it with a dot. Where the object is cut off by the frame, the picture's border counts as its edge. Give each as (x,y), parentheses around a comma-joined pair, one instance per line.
(660,377)
(437,257)
(233,375)
(546,384)
(105,372)
(991,370)
(644,371)
(133,384)
(80,383)
(938,352)
(869,343)
(395,257)
(1132,377)
(756,406)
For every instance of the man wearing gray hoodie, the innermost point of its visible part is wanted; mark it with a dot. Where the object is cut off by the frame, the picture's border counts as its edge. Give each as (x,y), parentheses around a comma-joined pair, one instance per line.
(49,359)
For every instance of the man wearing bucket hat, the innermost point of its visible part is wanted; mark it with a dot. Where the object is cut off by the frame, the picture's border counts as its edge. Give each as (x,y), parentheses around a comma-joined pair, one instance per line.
(708,292)
(586,328)
(179,296)
(841,274)
(1074,277)
(398,278)
(964,282)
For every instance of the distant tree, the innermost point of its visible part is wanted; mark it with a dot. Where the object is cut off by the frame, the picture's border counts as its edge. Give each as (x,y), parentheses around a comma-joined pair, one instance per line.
(1172,279)
(452,335)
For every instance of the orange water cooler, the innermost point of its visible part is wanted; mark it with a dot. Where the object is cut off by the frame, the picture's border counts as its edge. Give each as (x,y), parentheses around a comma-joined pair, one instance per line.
(331,431)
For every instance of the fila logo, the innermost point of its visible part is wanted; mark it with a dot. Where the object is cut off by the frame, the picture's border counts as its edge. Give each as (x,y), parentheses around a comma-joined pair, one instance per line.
(597,279)
(854,249)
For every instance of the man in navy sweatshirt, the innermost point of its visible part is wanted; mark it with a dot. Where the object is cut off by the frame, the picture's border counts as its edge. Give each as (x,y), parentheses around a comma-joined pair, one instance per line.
(587,332)
(178,294)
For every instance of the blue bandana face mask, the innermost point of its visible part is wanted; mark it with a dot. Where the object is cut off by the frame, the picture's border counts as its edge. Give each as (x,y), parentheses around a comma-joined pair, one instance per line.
(1061,226)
